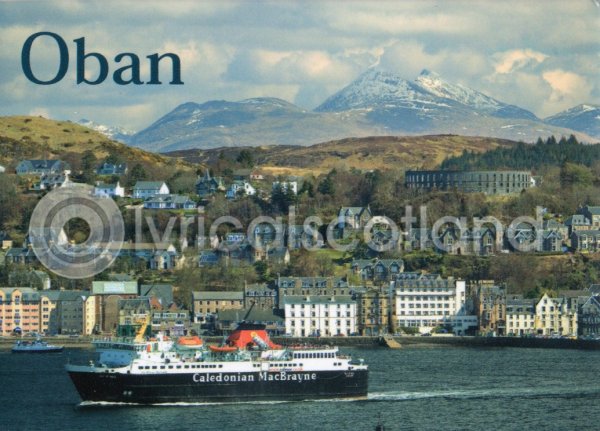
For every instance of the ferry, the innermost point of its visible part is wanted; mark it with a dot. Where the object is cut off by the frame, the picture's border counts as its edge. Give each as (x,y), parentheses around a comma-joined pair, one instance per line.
(247,367)
(36,346)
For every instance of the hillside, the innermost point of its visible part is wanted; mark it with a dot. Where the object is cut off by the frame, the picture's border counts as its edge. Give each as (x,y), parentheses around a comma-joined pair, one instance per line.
(379,152)
(23,137)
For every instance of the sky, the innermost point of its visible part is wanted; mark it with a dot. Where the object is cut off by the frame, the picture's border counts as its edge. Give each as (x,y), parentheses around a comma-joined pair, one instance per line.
(543,56)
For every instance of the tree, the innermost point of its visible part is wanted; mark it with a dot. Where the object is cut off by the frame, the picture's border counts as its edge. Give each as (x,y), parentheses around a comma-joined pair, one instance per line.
(327,187)
(138,173)
(573,174)
(88,166)
(245,158)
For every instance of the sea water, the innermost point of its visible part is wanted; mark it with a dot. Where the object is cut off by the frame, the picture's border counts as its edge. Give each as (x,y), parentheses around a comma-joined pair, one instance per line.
(414,388)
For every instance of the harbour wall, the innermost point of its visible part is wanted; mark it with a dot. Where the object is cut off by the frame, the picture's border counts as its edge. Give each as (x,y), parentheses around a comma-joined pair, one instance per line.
(367,342)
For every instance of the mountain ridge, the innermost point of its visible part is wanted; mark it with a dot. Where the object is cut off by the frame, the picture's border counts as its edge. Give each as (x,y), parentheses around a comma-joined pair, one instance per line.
(376,103)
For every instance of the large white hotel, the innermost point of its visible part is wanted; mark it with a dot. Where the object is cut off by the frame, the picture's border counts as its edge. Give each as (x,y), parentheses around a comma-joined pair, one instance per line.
(319,315)
(425,301)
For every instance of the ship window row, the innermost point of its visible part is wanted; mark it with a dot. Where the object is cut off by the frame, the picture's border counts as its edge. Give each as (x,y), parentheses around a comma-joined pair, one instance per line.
(170,367)
(315,355)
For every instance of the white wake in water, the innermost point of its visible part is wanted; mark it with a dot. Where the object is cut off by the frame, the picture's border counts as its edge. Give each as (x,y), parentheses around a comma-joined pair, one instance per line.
(486,393)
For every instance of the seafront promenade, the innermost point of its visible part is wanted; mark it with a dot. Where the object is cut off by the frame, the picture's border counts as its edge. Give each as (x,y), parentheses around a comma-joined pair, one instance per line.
(412,341)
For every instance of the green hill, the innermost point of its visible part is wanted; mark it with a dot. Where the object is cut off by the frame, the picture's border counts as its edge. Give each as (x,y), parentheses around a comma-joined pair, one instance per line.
(23,137)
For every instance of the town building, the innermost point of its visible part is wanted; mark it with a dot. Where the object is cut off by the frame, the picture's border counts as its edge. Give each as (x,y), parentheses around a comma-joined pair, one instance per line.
(72,312)
(488,182)
(49,319)
(109,190)
(373,310)
(353,217)
(206,304)
(377,270)
(427,301)
(133,315)
(19,310)
(299,236)
(112,169)
(556,316)
(170,202)
(489,304)
(310,286)
(319,315)
(589,317)
(148,189)
(586,241)
(52,181)
(239,188)
(42,167)
(108,294)
(207,185)
(260,296)
(520,316)
(228,320)
(160,256)
(20,256)
(5,241)
(592,213)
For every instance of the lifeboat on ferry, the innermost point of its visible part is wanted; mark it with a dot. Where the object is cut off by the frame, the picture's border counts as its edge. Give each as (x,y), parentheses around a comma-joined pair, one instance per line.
(190,342)
(250,335)
(223,349)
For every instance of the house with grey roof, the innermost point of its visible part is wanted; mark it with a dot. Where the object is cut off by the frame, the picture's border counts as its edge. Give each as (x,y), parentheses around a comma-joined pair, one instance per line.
(147,189)
(42,167)
(592,213)
(208,303)
(578,222)
(208,185)
(170,201)
(109,190)
(377,269)
(162,292)
(112,169)
(228,320)
(51,181)
(587,241)
(354,217)
(20,256)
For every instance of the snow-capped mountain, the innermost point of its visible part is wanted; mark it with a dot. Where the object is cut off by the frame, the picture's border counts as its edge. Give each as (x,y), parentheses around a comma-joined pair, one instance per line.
(428,93)
(113,132)
(583,118)
(376,88)
(376,103)
(257,121)
(433,83)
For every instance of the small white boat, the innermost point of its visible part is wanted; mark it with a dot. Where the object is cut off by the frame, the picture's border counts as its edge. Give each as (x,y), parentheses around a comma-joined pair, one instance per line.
(36,346)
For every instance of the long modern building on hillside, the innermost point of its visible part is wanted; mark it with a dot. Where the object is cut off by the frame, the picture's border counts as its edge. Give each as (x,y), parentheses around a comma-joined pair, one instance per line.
(488,182)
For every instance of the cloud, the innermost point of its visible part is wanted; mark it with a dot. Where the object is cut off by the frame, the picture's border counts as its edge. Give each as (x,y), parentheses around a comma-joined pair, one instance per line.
(509,61)
(566,85)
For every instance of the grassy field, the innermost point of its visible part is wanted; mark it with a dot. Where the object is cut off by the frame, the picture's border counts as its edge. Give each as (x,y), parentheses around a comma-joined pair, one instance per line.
(379,152)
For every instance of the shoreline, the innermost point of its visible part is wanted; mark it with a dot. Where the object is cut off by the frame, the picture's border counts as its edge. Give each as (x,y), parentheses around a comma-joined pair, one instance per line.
(363,341)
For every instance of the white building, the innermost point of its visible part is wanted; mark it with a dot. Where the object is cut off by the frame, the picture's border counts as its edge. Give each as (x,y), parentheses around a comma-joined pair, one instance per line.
(240,187)
(109,190)
(426,301)
(147,189)
(555,316)
(319,315)
(520,316)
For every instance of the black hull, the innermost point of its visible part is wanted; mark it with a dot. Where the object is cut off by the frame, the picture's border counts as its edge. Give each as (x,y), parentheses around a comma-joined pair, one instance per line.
(57,350)
(198,387)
